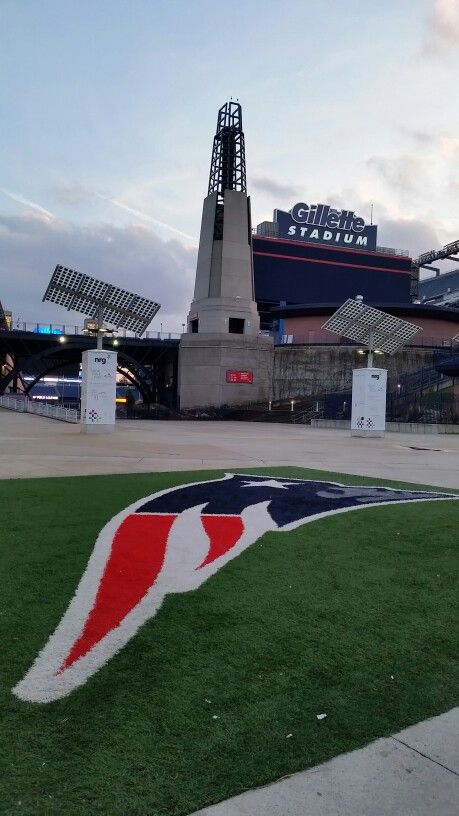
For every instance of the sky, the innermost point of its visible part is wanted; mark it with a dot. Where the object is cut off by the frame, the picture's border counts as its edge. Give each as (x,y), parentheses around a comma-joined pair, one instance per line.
(108,110)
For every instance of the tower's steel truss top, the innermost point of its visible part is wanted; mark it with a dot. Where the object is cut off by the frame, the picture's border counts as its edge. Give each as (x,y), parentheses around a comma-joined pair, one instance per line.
(227,168)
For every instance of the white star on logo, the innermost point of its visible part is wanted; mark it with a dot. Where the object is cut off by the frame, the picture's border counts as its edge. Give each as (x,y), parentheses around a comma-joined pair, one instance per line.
(267,483)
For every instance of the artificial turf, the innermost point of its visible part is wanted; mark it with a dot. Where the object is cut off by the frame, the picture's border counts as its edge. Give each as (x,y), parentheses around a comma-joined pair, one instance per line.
(354,615)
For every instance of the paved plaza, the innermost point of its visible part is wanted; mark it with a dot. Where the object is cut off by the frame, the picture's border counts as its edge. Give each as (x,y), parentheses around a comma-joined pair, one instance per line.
(32,446)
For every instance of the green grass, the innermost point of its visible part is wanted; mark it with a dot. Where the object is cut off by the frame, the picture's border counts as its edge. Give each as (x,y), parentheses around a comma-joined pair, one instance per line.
(312,621)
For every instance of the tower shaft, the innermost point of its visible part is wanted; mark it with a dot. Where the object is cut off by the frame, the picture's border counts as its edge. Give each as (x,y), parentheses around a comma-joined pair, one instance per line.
(223,322)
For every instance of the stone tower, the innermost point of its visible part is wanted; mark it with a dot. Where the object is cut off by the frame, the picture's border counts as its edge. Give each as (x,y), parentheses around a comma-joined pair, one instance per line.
(223,358)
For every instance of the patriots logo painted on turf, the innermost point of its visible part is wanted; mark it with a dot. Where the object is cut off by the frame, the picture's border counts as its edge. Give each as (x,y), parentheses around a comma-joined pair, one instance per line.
(172,542)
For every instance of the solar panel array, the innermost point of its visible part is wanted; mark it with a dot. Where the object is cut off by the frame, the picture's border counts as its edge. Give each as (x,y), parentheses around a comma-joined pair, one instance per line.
(80,292)
(370,326)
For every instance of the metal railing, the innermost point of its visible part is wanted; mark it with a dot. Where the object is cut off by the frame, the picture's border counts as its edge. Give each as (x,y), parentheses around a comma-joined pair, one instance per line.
(418,381)
(403,253)
(320,338)
(13,403)
(24,405)
(69,330)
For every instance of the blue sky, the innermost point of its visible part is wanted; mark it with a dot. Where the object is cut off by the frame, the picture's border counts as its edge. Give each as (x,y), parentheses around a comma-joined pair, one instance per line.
(108,111)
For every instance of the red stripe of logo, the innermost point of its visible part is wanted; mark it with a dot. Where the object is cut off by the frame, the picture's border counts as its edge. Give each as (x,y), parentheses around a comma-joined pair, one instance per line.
(224,532)
(135,560)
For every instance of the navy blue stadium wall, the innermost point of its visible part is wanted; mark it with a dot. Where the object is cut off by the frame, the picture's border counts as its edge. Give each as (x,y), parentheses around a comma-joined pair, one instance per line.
(296,272)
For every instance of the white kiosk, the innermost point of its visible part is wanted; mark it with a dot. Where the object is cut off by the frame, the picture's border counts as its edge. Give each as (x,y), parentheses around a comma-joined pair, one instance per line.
(99,301)
(98,391)
(380,333)
(368,417)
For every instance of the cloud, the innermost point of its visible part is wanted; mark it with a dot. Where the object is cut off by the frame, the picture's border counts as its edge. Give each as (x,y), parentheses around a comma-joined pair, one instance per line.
(74,193)
(131,256)
(403,174)
(443,28)
(272,187)
(21,200)
(414,235)
(446,146)
(449,146)
(149,218)
(421,138)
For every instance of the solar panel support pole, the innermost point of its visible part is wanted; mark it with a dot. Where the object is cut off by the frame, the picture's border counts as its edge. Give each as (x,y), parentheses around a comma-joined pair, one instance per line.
(371,347)
(100,323)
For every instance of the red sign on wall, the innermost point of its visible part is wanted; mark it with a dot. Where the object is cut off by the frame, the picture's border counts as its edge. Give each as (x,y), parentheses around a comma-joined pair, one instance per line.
(239,376)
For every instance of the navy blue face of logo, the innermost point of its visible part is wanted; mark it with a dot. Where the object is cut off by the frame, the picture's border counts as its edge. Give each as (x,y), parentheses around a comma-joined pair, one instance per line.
(290,500)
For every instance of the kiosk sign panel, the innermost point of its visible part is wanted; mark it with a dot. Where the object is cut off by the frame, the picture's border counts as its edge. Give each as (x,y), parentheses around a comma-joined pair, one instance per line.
(98,391)
(368,402)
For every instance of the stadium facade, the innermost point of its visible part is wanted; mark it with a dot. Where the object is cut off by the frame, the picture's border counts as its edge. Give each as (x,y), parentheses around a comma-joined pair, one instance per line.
(299,283)
(295,270)
(307,262)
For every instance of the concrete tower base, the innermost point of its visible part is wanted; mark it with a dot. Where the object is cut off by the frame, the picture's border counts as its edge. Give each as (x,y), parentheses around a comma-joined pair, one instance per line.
(205,359)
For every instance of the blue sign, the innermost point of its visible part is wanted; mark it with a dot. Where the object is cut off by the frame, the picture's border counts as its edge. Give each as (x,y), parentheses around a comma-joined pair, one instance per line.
(47,330)
(322,224)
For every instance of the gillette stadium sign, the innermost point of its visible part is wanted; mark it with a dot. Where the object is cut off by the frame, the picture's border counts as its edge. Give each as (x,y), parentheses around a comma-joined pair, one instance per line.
(322,224)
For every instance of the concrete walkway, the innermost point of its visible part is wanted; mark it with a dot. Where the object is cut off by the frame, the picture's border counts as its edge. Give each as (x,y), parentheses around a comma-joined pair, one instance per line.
(414,773)
(35,446)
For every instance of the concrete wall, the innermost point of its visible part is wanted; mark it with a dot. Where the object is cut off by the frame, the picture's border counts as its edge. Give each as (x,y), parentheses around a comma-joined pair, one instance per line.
(303,371)
(397,427)
(204,360)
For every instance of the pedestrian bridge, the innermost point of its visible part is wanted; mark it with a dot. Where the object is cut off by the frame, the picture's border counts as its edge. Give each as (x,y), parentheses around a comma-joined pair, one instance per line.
(150,363)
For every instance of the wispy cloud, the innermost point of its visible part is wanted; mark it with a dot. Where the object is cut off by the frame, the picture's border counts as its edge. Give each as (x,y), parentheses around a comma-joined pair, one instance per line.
(146,217)
(443,27)
(403,174)
(75,193)
(448,146)
(21,200)
(273,187)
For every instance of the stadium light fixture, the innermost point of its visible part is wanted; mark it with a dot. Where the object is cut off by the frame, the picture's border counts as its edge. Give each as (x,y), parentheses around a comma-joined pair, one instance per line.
(371,327)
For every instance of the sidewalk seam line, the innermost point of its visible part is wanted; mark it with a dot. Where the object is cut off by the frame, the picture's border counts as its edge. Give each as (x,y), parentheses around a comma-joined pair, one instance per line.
(426,756)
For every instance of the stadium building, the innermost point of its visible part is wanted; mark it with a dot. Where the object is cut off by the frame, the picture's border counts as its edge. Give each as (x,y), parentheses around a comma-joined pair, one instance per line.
(296,264)
(441,290)
(307,262)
